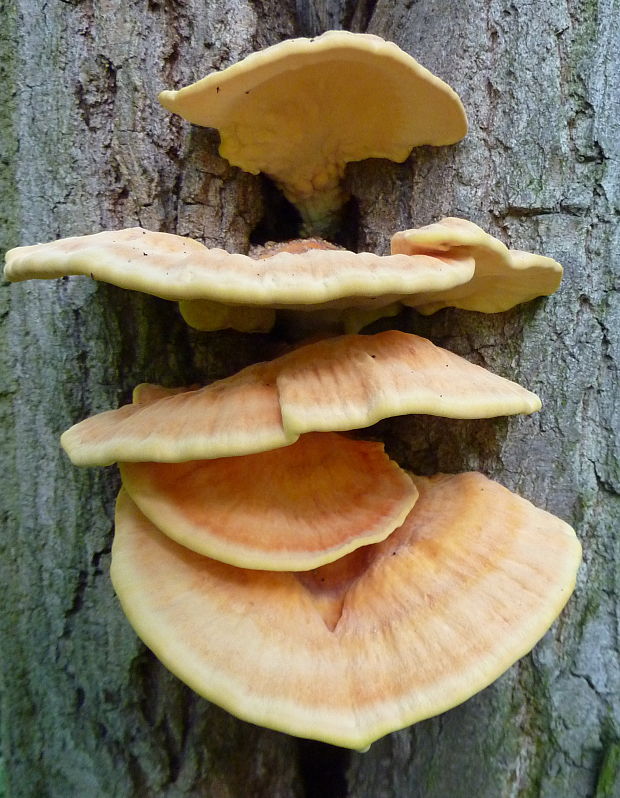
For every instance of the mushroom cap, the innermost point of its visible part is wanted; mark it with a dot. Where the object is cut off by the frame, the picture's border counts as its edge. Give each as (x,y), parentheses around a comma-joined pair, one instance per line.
(178,268)
(300,110)
(356,380)
(338,384)
(503,278)
(235,416)
(287,510)
(389,635)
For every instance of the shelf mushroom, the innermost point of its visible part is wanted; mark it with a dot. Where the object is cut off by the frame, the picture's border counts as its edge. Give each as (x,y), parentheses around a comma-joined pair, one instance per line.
(502,278)
(389,635)
(332,385)
(450,263)
(293,509)
(218,289)
(300,110)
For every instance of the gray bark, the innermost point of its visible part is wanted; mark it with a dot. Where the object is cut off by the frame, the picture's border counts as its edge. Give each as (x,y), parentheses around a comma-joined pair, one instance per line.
(86,710)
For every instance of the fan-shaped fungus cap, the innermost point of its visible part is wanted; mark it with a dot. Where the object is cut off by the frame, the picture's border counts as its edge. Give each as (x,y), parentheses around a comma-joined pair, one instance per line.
(387,636)
(338,384)
(354,381)
(503,278)
(218,289)
(289,510)
(236,416)
(301,110)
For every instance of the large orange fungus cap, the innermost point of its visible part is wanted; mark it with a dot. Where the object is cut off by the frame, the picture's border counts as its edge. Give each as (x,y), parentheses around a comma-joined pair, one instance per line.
(389,635)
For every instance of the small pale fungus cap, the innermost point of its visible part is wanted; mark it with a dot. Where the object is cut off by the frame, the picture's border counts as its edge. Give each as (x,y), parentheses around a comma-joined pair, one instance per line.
(502,279)
(300,110)
(292,509)
(337,384)
(218,289)
(387,636)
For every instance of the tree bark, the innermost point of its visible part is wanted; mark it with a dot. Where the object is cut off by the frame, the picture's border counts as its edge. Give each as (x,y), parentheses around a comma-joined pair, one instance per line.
(86,709)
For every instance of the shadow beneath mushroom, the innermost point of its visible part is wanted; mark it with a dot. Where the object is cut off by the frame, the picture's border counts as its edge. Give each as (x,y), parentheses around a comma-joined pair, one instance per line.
(281,221)
(430,444)
(322,768)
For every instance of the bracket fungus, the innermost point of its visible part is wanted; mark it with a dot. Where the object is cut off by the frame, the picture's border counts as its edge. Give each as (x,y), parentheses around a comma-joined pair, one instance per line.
(450,263)
(337,384)
(294,576)
(300,110)
(287,510)
(502,278)
(218,289)
(389,635)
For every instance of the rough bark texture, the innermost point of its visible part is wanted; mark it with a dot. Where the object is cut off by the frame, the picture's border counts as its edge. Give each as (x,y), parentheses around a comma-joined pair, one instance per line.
(86,710)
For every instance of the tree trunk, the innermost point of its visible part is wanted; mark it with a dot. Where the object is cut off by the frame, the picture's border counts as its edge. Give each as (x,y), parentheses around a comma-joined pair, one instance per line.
(86,709)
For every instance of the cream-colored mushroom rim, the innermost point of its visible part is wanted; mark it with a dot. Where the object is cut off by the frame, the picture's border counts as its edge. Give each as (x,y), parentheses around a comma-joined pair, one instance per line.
(383,638)
(177,268)
(292,509)
(260,67)
(337,384)
(502,279)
